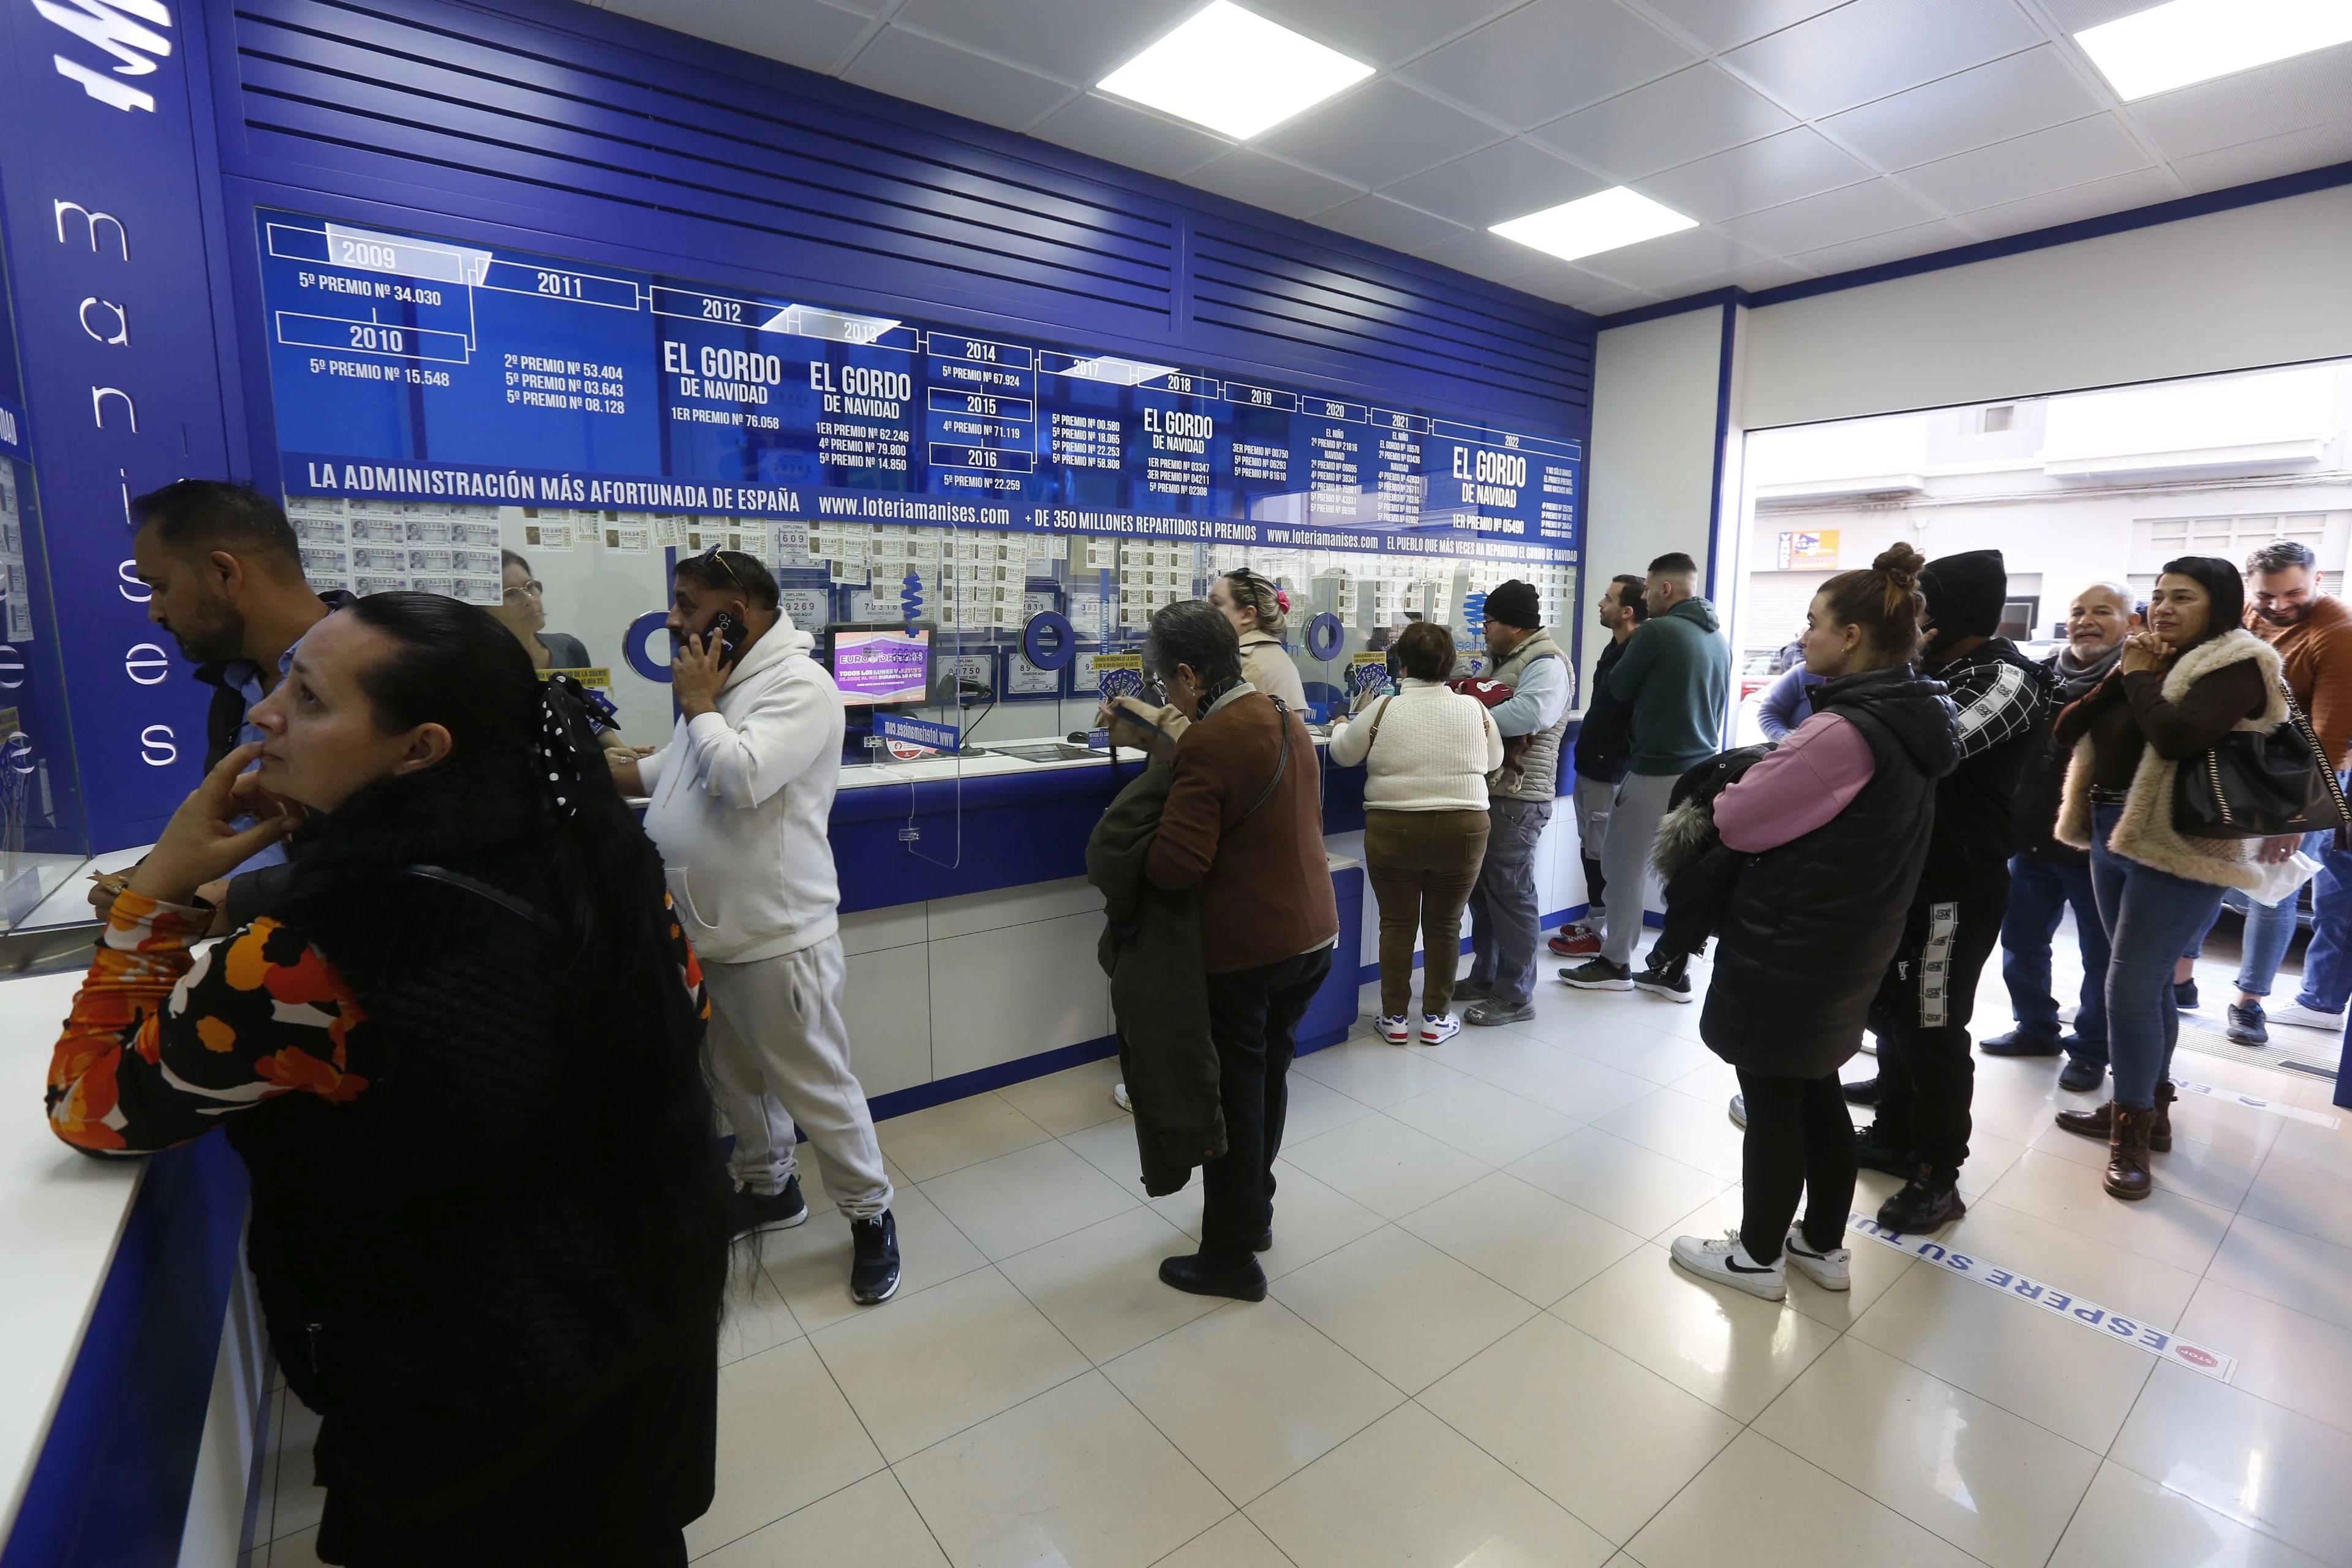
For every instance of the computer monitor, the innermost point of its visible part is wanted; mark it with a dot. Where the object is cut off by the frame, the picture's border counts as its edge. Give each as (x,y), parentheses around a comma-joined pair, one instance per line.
(880,664)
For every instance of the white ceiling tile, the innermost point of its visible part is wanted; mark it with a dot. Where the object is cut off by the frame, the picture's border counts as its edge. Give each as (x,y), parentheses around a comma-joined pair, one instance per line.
(1251,177)
(2270,101)
(1509,180)
(2274,155)
(1380,32)
(1922,239)
(2073,15)
(1783,168)
(1077,40)
(1727,23)
(1991,103)
(2063,155)
(805,32)
(1484,255)
(1379,134)
(1393,224)
(911,66)
(1110,128)
(1833,218)
(1873,47)
(2096,198)
(1549,57)
(1672,120)
(1754,277)
(1564,285)
(1655,263)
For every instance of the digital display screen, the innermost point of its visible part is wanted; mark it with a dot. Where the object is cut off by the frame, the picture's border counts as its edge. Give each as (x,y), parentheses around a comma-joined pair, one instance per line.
(882,669)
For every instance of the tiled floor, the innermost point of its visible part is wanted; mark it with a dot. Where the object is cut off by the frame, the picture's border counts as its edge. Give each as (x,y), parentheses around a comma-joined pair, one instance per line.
(1476,1352)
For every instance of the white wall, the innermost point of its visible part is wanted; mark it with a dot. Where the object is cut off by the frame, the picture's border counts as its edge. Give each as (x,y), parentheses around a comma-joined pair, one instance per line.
(2259,285)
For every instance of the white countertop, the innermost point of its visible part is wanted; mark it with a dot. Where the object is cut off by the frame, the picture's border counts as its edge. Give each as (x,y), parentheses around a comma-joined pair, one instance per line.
(59,1221)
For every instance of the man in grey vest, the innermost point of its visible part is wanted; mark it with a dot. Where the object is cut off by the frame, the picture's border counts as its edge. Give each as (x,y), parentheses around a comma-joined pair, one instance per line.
(1505,922)
(1677,672)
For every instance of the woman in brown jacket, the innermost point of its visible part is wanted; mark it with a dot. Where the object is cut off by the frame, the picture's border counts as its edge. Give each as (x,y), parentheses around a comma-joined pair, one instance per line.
(1243,826)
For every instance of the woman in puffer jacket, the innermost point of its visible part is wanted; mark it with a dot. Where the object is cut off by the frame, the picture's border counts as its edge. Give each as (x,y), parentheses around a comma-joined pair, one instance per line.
(1835,824)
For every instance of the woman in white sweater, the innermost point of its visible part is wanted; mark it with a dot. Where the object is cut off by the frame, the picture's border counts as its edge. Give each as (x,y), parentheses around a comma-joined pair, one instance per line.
(1427,752)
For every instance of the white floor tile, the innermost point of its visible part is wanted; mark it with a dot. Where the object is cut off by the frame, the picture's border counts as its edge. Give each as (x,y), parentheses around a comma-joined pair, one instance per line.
(2164,1225)
(1401,1307)
(2255,1462)
(2287,1357)
(1235,1543)
(811,1265)
(1252,1393)
(929,1365)
(1732,1350)
(2299,1271)
(1068,1100)
(2301,1187)
(1572,1084)
(927,1143)
(1605,1440)
(1683,1129)
(1998,1488)
(2129,1519)
(872,1524)
(1073,1476)
(1482,1121)
(1026,1199)
(1783,1513)
(1411,1490)
(300,1550)
(758,1317)
(1101,1285)
(1871,1271)
(1374,1072)
(1663,1058)
(1622,1183)
(779,1401)
(1388,1167)
(1310,1218)
(1523,1238)
(1315,1107)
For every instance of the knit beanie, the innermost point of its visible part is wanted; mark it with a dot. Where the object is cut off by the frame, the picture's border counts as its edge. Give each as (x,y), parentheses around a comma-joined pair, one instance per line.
(1515,604)
(1965,594)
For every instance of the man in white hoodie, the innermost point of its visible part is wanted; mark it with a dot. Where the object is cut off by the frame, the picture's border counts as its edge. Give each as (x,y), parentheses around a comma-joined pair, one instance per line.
(742,801)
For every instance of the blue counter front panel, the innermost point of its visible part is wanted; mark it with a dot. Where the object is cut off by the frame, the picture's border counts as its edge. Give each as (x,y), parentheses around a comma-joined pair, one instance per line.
(412,367)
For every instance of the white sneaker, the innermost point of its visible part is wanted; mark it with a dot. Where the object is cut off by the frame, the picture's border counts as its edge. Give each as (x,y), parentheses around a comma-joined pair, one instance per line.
(1396,1030)
(1725,1261)
(1740,1110)
(1438,1030)
(1118,1098)
(1831,1271)
(2301,1017)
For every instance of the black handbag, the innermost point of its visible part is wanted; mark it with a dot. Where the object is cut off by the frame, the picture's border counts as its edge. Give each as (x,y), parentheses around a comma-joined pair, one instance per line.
(2267,785)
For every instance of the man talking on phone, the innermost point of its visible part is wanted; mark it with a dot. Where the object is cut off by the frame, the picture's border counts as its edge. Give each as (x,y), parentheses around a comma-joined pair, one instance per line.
(742,801)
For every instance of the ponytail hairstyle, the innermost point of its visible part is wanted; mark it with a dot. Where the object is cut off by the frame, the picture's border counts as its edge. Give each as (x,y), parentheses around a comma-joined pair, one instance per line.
(1884,600)
(1254,591)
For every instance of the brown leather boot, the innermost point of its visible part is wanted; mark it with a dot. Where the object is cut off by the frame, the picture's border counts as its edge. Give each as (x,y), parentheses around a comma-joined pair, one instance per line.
(2099,1122)
(2128,1175)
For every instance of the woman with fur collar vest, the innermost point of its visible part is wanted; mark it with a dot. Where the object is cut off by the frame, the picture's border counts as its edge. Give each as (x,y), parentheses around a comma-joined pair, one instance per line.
(2181,685)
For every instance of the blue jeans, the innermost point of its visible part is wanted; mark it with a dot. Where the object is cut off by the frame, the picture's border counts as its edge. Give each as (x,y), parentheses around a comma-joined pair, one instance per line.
(1503,915)
(2151,916)
(2040,893)
(2327,964)
(2270,929)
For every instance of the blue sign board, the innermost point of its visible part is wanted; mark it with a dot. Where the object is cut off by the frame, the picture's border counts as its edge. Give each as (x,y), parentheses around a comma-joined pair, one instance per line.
(417,368)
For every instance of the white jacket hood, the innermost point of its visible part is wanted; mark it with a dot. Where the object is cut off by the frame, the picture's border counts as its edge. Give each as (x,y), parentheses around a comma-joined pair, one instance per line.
(742,802)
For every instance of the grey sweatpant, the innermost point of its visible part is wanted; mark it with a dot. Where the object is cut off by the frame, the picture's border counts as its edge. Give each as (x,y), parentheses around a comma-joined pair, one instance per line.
(1626,858)
(780,1055)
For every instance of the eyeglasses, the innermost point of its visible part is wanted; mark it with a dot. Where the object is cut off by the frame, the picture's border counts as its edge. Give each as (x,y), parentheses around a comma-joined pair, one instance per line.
(534,589)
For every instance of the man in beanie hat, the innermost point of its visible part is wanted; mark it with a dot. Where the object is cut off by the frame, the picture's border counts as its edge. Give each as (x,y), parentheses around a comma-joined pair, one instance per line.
(1677,672)
(1505,922)
(1927,1077)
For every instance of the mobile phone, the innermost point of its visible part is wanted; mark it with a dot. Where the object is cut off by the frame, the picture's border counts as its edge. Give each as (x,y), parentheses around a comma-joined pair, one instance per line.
(729,633)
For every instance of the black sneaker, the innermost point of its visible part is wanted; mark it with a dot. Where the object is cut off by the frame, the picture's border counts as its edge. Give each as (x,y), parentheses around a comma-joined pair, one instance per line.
(2080,1077)
(1599,974)
(1873,1152)
(1467,990)
(874,1273)
(2184,992)
(2246,1027)
(1486,1014)
(757,1211)
(1264,1243)
(1243,1281)
(1669,979)
(1863,1091)
(2018,1043)
(1929,1202)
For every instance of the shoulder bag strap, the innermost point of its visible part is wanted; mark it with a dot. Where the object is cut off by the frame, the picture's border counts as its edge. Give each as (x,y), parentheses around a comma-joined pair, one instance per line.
(2319,757)
(480,889)
(1281,760)
(1377,719)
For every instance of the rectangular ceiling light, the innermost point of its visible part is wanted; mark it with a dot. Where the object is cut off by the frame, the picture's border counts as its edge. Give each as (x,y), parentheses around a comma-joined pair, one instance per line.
(2196,40)
(1233,72)
(1605,220)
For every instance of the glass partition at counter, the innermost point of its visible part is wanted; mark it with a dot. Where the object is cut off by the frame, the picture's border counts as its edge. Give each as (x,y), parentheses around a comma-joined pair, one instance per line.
(924,625)
(44,839)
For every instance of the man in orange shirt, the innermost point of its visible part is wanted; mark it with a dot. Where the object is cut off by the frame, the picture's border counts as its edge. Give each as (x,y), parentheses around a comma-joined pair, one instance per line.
(2287,607)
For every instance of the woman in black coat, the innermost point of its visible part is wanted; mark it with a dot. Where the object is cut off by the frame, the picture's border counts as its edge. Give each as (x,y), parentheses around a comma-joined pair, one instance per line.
(1836,822)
